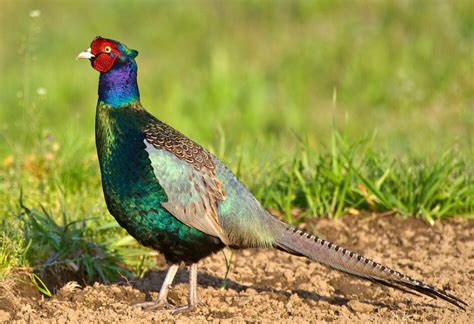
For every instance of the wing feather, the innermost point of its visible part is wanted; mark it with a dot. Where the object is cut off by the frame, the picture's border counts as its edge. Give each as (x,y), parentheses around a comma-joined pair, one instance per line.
(187,174)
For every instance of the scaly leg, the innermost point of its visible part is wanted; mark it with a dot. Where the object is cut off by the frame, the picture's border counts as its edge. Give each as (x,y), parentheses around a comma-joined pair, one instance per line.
(162,300)
(192,297)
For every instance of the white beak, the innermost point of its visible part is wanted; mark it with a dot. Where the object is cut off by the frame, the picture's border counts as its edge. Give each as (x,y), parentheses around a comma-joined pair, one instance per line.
(85,55)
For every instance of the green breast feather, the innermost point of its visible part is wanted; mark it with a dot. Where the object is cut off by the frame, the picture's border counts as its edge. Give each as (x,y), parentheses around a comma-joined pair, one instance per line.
(132,192)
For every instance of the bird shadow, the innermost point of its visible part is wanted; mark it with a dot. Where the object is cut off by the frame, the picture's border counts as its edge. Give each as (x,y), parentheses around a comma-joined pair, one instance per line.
(152,281)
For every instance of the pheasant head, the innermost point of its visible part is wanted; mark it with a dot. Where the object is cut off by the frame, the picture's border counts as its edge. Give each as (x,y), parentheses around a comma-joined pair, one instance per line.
(105,53)
(118,71)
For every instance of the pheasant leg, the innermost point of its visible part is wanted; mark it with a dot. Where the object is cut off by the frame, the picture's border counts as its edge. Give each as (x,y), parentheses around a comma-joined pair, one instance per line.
(192,297)
(162,300)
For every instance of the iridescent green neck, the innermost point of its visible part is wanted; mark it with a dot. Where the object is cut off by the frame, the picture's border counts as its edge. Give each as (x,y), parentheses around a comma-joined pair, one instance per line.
(118,87)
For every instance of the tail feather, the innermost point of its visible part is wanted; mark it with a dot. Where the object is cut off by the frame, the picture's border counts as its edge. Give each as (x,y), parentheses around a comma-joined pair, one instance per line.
(301,243)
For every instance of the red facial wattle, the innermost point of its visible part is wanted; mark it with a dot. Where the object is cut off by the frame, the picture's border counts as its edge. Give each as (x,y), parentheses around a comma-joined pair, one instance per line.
(104,62)
(106,53)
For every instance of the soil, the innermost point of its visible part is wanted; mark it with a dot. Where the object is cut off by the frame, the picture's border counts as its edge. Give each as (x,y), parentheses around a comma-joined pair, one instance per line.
(267,285)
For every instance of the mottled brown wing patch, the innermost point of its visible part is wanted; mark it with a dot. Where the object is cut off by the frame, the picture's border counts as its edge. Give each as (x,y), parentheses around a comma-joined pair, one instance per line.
(165,137)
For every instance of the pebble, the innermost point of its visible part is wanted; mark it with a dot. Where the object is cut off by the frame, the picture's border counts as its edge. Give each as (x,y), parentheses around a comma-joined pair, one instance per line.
(359,307)
(4,316)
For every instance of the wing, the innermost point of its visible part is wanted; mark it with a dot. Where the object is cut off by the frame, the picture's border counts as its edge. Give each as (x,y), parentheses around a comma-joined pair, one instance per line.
(187,174)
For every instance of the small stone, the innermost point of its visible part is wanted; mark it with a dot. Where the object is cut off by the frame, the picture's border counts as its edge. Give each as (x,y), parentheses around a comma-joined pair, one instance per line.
(116,290)
(4,316)
(357,306)
(251,291)
(72,316)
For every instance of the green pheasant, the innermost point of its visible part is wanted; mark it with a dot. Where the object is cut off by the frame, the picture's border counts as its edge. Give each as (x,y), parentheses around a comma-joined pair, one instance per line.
(173,196)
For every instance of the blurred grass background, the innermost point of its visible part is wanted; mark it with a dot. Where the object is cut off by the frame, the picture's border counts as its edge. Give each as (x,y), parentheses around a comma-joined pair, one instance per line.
(330,106)
(258,69)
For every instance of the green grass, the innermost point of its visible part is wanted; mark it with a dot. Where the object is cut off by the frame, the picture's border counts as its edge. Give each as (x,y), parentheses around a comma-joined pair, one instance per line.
(352,177)
(325,107)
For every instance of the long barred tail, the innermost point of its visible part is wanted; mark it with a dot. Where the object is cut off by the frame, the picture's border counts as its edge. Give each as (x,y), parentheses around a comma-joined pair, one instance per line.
(327,253)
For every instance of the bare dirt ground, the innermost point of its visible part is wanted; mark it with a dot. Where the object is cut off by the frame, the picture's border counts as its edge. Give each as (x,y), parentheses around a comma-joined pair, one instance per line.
(268,285)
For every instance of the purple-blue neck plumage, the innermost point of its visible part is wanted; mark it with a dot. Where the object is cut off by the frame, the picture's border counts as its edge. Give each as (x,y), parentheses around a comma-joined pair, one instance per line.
(118,87)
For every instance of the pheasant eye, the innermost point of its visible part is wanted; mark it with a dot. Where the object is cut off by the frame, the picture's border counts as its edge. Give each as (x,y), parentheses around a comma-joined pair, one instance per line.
(107,49)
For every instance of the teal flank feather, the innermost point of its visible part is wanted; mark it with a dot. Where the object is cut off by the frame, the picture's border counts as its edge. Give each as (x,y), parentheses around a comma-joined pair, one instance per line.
(174,196)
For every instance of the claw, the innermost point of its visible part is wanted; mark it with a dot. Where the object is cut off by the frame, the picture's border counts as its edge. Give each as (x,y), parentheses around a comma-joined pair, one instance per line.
(154,305)
(163,305)
(161,302)
(182,309)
